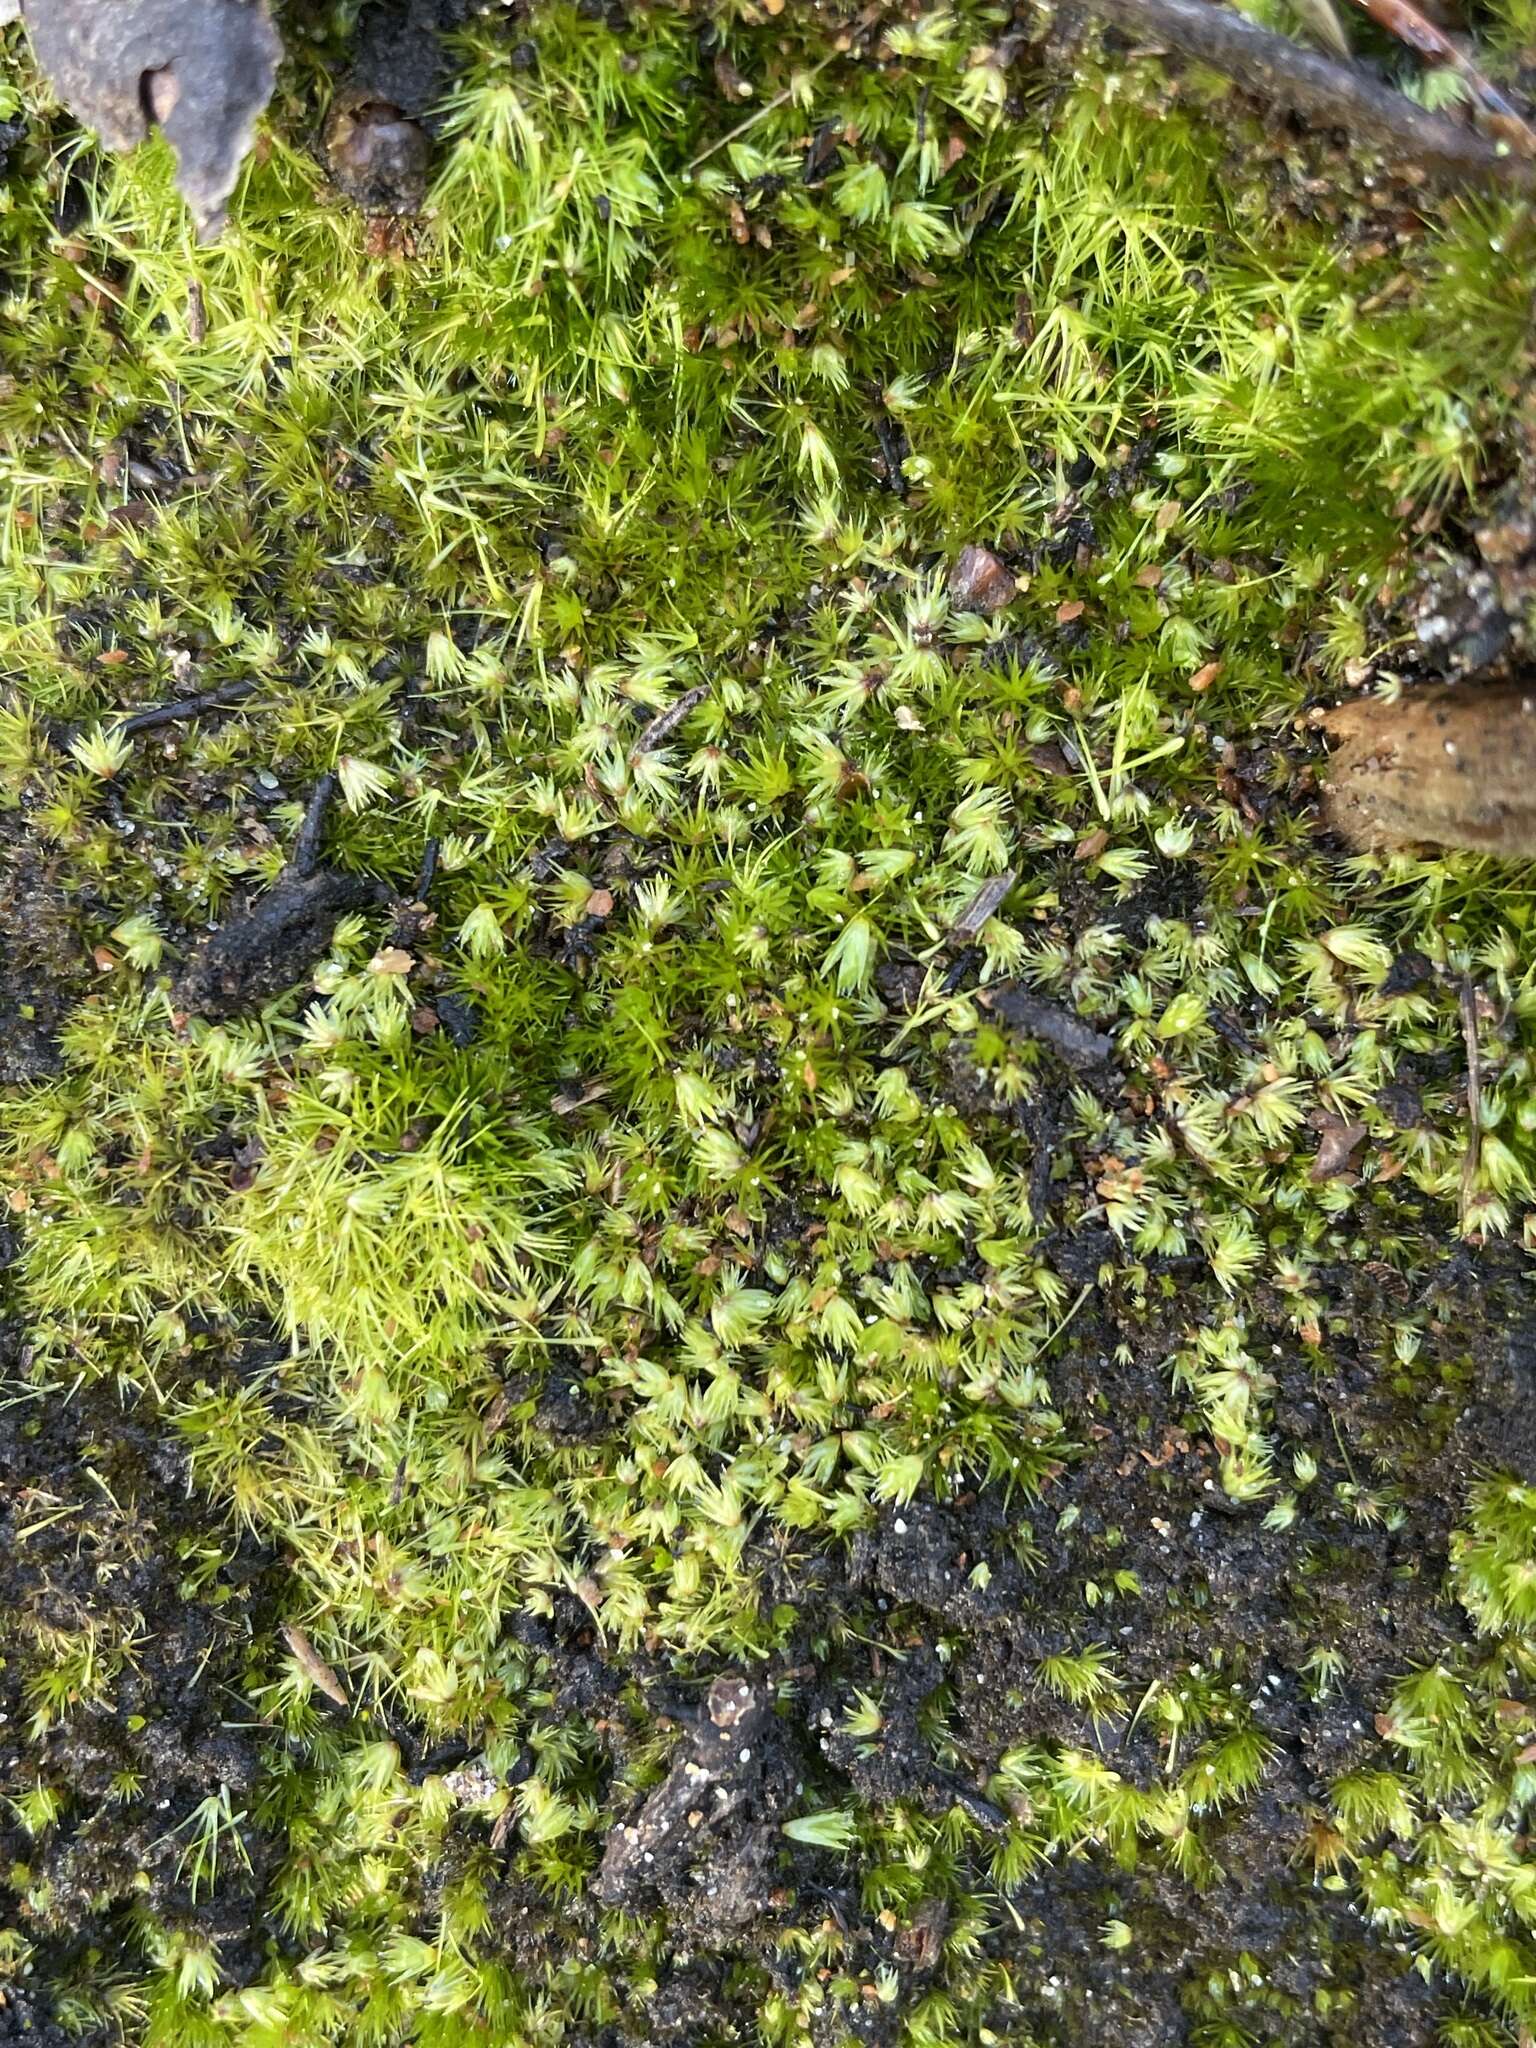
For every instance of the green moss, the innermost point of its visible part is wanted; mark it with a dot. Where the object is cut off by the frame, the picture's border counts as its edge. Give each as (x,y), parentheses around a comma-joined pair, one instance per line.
(613,425)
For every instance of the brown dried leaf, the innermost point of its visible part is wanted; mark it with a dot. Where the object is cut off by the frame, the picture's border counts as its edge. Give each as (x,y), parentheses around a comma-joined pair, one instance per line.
(1337,1144)
(313,1665)
(202,70)
(1444,766)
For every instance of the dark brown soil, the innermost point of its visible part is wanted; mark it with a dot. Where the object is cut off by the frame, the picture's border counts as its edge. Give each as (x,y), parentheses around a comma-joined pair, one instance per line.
(702,1847)
(44,965)
(98,1534)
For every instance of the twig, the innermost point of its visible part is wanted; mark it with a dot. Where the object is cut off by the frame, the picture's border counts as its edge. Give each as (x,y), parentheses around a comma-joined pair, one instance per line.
(1409,26)
(665,723)
(1473,1154)
(759,113)
(426,874)
(185,707)
(1319,89)
(306,848)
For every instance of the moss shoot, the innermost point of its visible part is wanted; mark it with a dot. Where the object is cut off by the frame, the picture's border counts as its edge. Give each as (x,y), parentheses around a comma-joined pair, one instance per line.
(635,1255)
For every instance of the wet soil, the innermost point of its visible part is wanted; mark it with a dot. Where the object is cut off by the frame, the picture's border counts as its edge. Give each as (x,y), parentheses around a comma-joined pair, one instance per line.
(953,1656)
(44,965)
(107,1565)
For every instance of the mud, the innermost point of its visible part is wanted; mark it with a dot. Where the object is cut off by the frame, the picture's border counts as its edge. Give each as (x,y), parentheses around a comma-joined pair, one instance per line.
(44,964)
(101,1547)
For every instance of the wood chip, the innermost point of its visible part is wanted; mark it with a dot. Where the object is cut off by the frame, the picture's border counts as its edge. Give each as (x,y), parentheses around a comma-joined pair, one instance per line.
(1443,766)
(988,898)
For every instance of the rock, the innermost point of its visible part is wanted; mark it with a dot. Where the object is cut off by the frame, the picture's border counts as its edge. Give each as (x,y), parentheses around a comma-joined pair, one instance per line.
(378,158)
(980,582)
(201,70)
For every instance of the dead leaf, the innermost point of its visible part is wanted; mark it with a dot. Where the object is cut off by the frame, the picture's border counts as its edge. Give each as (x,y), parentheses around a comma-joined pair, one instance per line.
(201,70)
(391,960)
(1337,1144)
(313,1665)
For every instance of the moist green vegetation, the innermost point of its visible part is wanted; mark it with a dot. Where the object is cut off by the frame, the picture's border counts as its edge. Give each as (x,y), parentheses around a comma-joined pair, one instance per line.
(651,1258)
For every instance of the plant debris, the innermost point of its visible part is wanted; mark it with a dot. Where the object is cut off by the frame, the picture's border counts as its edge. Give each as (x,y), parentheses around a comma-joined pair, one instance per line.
(1442,765)
(1077,1042)
(1320,89)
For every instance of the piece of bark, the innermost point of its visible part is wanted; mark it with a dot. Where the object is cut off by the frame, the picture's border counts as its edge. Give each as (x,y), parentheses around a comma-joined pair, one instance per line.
(269,947)
(988,899)
(1443,766)
(1319,89)
(201,70)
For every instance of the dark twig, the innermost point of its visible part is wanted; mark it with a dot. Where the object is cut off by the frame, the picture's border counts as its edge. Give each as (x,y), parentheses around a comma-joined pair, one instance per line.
(1077,1042)
(185,707)
(1331,94)
(306,848)
(426,874)
(1412,28)
(665,723)
(1473,1153)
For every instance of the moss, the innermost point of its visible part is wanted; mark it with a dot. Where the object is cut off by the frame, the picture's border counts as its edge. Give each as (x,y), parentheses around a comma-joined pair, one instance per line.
(570,1272)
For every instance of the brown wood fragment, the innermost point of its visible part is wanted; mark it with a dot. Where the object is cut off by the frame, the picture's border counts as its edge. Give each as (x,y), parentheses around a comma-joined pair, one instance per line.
(988,899)
(666,722)
(1443,766)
